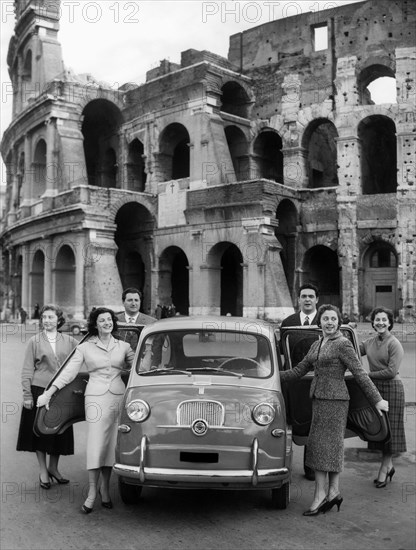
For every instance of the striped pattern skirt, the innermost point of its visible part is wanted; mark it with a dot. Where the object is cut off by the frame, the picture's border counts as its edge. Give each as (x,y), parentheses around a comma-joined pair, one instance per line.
(393,392)
(325,447)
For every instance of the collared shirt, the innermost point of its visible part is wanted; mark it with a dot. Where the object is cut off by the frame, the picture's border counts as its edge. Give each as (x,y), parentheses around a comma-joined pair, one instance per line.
(310,316)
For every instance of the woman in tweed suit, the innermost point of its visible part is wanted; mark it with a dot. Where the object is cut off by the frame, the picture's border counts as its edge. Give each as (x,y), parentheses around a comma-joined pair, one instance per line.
(330,357)
(105,358)
(385,354)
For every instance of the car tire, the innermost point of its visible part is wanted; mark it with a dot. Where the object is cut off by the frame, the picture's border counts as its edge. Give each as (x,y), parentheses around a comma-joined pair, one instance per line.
(281,497)
(130,494)
(76,331)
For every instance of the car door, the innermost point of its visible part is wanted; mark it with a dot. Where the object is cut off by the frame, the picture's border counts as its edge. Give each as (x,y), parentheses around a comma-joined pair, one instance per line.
(67,405)
(363,418)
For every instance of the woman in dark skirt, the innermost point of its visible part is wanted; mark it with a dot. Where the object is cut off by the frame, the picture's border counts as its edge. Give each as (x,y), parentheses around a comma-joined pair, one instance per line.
(44,355)
(330,357)
(385,354)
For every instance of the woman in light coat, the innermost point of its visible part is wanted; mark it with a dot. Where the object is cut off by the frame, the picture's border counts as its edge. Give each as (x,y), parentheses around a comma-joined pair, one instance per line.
(105,358)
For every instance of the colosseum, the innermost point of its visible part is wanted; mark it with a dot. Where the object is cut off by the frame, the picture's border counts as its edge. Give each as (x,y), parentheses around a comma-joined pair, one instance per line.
(219,184)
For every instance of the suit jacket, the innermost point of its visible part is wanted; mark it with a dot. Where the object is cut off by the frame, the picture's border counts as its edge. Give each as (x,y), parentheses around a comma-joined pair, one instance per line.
(330,363)
(294,320)
(104,365)
(41,363)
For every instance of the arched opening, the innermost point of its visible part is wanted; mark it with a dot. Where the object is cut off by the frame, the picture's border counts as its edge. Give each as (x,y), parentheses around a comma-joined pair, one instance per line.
(174,280)
(238,146)
(378,155)
(174,158)
(377,85)
(380,277)
(133,237)
(109,169)
(268,156)
(37,278)
(101,122)
(64,274)
(231,281)
(321,267)
(234,100)
(136,176)
(20,180)
(39,169)
(28,90)
(286,233)
(320,141)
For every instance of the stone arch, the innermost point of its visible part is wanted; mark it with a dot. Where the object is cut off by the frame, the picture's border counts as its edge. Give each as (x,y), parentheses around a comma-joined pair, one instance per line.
(320,266)
(136,175)
(226,270)
(37,278)
(379,285)
(235,99)
(377,134)
(100,127)
(149,203)
(268,156)
(319,139)
(174,153)
(64,277)
(173,288)
(133,237)
(238,146)
(39,169)
(378,68)
(286,233)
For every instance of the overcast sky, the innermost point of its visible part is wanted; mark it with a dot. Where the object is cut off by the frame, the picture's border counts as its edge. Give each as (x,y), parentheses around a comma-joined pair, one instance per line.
(118,41)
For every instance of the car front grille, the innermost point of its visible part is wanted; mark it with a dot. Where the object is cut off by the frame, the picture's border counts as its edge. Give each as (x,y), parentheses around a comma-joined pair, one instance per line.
(210,411)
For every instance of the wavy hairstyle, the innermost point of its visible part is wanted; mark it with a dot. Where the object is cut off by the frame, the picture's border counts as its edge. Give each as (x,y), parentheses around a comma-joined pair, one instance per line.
(92,319)
(328,307)
(58,312)
(382,309)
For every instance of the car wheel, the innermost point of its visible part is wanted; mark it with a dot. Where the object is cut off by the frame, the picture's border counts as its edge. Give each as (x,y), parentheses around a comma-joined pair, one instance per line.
(281,497)
(130,494)
(76,331)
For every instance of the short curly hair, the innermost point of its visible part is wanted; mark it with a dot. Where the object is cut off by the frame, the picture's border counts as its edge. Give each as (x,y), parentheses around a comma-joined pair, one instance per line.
(382,309)
(92,319)
(328,307)
(58,312)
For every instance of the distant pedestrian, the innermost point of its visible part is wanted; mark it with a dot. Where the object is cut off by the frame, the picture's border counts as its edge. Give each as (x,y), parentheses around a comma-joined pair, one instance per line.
(23,316)
(36,311)
(385,354)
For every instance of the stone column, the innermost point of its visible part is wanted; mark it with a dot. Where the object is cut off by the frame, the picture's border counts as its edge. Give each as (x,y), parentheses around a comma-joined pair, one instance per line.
(48,289)
(51,188)
(349,168)
(25,279)
(295,167)
(27,184)
(79,280)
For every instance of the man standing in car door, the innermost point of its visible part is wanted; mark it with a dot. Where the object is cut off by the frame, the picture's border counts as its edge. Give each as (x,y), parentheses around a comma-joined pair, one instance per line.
(132,300)
(307,299)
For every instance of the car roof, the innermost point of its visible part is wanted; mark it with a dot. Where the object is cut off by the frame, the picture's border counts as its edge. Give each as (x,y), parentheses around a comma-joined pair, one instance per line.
(212,322)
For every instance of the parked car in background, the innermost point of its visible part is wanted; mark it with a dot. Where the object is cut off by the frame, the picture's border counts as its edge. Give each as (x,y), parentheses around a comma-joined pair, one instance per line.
(74,326)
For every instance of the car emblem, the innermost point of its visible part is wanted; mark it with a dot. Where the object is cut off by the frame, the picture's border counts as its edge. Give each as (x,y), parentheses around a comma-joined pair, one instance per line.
(199,427)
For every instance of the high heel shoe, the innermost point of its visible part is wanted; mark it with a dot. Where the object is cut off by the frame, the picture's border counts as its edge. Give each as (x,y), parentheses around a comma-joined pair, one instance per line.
(316,510)
(336,501)
(44,484)
(60,480)
(381,484)
(106,504)
(88,509)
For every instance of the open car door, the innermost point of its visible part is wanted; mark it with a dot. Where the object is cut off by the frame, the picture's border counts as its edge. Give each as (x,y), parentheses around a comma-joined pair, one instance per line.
(67,405)
(363,419)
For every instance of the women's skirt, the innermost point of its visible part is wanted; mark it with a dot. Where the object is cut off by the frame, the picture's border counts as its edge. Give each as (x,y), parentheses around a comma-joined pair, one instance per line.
(101,413)
(27,440)
(393,392)
(325,447)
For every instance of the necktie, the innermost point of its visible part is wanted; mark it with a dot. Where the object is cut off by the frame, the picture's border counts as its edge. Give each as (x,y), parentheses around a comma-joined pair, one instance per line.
(131,319)
(306,321)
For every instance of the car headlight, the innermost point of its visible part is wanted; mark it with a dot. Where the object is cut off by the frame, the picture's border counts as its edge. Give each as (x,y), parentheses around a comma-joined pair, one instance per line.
(137,410)
(263,414)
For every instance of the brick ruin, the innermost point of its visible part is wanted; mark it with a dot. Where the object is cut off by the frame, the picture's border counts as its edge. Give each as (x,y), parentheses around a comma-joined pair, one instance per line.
(220,184)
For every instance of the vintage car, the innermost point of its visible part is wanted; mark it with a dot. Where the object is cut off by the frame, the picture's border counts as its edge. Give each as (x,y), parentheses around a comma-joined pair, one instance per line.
(204,407)
(74,326)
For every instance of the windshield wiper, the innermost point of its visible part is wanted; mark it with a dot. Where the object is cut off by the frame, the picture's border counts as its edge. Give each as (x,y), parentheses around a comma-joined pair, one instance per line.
(165,371)
(217,369)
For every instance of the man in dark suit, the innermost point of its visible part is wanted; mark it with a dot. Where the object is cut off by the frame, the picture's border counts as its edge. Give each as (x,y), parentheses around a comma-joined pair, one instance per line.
(132,299)
(307,315)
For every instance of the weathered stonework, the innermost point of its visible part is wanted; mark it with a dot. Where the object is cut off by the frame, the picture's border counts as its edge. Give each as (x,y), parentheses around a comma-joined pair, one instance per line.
(220,184)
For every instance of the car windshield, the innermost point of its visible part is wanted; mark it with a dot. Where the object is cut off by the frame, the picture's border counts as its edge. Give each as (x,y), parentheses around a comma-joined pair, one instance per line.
(205,352)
